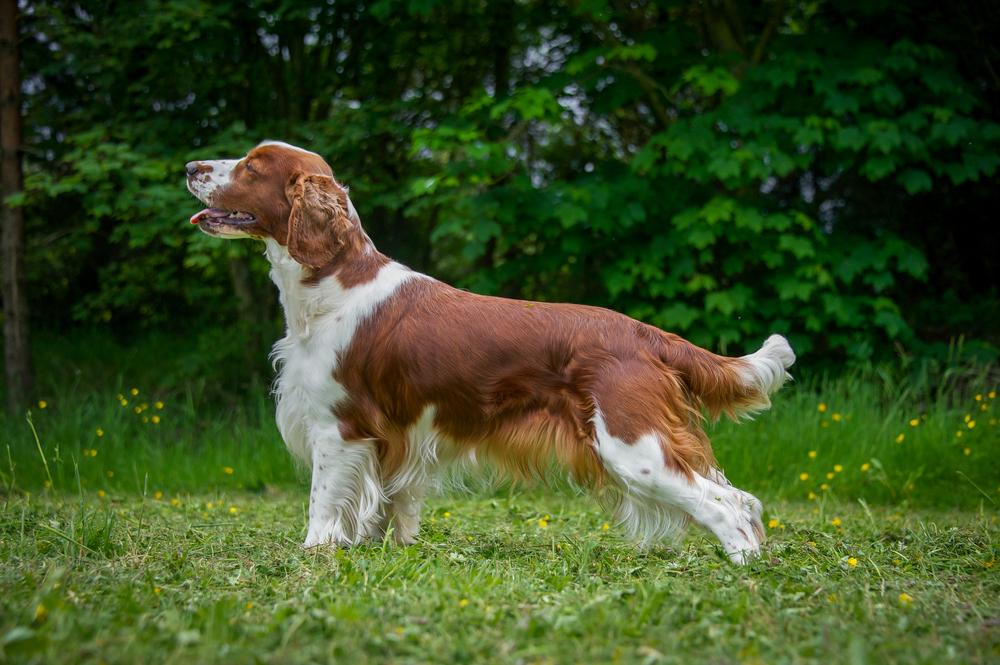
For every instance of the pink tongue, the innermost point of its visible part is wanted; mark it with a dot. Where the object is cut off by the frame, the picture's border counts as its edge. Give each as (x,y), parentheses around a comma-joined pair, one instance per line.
(207,212)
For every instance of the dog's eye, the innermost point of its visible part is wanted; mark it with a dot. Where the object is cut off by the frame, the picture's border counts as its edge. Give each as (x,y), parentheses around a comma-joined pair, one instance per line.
(249,167)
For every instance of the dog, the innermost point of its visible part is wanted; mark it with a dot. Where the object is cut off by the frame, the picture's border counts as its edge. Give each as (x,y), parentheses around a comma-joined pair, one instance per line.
(386,375)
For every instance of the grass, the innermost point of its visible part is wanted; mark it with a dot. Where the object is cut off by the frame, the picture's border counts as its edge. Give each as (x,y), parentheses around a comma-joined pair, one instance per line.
(221,578)
(163,524)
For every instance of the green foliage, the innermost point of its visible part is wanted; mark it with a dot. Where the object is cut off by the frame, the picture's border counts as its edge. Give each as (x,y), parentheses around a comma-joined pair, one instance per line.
(717,170)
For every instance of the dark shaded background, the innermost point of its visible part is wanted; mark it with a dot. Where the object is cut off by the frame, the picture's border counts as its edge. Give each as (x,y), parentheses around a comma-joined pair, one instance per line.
(720,169)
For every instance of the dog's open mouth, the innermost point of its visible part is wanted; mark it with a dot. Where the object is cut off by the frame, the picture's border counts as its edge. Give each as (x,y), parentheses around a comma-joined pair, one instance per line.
(215,217)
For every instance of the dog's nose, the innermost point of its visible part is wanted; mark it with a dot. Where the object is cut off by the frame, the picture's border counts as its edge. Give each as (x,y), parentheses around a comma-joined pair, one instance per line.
(191,167)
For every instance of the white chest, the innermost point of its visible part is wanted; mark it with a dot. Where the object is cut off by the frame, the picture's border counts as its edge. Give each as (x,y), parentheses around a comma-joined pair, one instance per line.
(322,321)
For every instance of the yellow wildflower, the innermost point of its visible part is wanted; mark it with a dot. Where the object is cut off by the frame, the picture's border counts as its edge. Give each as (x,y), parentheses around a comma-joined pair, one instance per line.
(158,405)
(99,432)
(157,495)
(134,392)
(836,417)
(137,409)
(156,420)
(249,605)
(967,451)
(812,454)
(447,514)
(852,562)
(232,510)
(773,523)
(175,502)
(824,487)
(803,476)
(971,424)
(993,394)
(865,467)
(41,612)
(967,418)
(837,468)
(542,524)
(900,437)
(958,434)
(979,398)
(228,470)
(914,422)
(605,526)
(101,493)
(812,496)
(209,505)
(905,598)
(42,404)
(835,521)
(829,476)
(822,407)
(463,603)
(119,397)
(156,590)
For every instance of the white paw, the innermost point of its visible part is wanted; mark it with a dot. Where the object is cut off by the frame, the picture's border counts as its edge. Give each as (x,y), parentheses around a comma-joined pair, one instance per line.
(741,530)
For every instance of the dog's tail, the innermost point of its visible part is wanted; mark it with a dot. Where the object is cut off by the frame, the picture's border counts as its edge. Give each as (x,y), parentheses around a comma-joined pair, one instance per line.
(738,387)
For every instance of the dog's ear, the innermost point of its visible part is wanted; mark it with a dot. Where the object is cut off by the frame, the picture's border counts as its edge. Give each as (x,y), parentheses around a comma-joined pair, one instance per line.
(318,223)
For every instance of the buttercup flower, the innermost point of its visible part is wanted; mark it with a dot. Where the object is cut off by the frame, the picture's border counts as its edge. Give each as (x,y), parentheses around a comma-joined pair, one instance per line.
(852,562)
(835,521)
(42,404)
(900,437)
(905,598)
(865,467)
(812,454)
(228,470)
(773,523)
(837,468)
(99,432)
(914,422)
(822,407)
(803,476)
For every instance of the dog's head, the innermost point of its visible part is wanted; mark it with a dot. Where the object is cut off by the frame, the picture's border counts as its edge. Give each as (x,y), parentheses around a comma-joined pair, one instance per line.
(276,191)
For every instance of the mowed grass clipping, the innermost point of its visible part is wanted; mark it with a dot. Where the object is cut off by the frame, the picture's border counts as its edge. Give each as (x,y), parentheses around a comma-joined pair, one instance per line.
(517,577)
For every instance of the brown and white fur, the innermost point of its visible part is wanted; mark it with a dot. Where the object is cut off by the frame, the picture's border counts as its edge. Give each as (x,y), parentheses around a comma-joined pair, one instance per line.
(387,374)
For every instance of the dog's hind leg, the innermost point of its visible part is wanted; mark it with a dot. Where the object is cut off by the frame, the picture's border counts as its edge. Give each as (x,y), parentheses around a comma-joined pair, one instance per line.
(658,500)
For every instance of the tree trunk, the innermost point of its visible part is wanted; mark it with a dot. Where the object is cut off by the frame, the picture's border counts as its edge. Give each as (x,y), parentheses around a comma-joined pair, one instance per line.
(17,353)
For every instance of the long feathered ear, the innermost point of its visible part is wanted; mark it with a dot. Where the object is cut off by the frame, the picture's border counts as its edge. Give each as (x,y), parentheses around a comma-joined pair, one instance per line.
(318,223)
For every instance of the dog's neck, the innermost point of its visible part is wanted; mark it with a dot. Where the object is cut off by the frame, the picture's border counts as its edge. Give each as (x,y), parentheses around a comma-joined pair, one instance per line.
(307,295)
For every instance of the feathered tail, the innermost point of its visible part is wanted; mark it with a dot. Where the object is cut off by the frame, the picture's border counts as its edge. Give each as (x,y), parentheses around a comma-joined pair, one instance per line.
(734,386)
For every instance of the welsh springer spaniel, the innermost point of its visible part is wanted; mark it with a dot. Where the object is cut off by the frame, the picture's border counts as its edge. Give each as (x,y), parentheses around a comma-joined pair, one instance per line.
(386,375)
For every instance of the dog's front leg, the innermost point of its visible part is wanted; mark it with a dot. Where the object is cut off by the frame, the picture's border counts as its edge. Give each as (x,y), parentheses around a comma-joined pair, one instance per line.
(346,501)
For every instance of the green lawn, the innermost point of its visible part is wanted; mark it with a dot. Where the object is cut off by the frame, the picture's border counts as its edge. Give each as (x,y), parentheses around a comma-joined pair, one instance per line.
(151,520)
(513,577)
